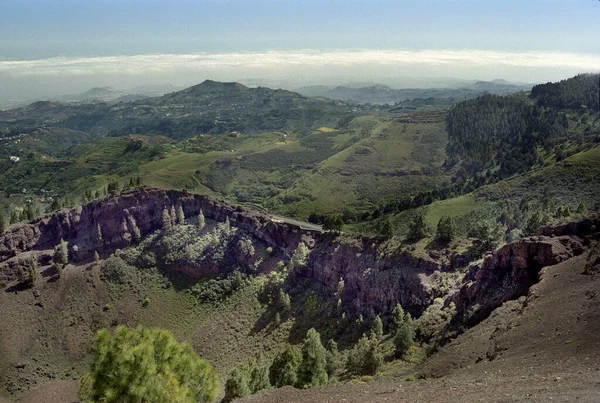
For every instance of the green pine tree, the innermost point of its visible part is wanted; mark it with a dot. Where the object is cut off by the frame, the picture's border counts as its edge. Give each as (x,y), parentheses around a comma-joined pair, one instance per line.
(201,220)
(237,385)
(312,371)
(377,328)
(284,369)
(147,365)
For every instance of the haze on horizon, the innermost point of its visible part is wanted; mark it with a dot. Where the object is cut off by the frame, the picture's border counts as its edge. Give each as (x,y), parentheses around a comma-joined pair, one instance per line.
(50,48)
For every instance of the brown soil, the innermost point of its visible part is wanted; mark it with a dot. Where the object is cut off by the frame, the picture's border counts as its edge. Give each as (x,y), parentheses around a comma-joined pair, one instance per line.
(542,348)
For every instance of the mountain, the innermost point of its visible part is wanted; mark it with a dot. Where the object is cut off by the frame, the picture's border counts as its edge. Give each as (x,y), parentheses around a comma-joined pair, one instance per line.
(210,107)
(381,94)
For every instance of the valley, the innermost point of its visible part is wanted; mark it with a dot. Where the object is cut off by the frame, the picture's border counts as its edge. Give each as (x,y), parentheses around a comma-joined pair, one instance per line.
(418,252)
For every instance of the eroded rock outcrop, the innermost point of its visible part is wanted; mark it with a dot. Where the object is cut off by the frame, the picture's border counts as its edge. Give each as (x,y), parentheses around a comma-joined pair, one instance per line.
(507,274)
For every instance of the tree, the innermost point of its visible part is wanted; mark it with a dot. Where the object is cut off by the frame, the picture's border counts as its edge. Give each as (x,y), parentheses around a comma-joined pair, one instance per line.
(487,237)
(173,215)
(148,365)
(300,256)
(365,357)
(2,223)
(284,369)
(446,229)
(580,208)
(259,375)
(417,228)
(237,385)
(377,328)
(312,371)
(14,217)
(30,212)
(201,220)
(404,336)
(61,253)
(566,211)
(166,219)
(385,230)
(56,204)
(334,360)
(333,224)
(397,318)
(533,223)
(180,216)
(99,239)
(113,187)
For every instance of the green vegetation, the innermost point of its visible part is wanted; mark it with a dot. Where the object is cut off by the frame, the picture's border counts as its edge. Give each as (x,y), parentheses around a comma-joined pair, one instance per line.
(147,365)
(313,367)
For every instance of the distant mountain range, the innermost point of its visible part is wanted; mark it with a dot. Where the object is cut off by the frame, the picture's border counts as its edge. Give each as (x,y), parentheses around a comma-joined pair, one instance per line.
(381,94)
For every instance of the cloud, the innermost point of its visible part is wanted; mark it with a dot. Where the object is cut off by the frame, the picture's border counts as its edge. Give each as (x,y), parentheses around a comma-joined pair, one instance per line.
(292,60)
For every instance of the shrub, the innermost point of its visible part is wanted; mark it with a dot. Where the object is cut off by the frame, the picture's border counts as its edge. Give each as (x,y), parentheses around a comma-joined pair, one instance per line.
(215,290)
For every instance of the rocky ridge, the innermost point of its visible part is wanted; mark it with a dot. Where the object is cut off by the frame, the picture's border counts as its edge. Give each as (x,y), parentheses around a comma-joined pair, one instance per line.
(375,280)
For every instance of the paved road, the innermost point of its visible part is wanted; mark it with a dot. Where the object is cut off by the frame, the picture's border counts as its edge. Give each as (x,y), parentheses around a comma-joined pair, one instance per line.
(301,224)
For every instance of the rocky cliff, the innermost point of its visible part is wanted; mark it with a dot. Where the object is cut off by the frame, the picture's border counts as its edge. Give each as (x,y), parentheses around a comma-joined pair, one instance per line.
(510,271)
(375,280)
(118,217)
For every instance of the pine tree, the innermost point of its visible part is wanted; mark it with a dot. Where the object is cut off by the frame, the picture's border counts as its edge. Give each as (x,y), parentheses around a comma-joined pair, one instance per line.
(147,365)
(385,230)
(533,223)
(180,215)
(377,328)
(397,318)
(173,215)
(404,337)
(56,204)
(446,229)
(30,212)
(566,211)
(365,357)
(417,228)
(14,217)
(284,369)
(166,219)
(334,360)
(312,371)
(99,239)
(580,208)
(61,253)
(259,375)
(201,221)
(237,385)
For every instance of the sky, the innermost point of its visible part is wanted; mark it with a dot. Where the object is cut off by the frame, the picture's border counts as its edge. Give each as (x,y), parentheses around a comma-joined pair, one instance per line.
(66,46)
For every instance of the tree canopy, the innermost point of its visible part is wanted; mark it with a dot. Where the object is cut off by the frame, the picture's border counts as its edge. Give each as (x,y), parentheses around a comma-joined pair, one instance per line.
(147,365)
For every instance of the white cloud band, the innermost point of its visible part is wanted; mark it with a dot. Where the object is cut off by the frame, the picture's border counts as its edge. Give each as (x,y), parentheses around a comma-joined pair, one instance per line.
(253,61)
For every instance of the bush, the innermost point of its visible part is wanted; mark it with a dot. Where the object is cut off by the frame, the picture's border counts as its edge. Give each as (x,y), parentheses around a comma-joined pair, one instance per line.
(215,290)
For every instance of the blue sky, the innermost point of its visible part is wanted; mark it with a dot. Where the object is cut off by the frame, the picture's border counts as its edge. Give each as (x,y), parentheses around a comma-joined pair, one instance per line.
(65,46)
(45,28)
